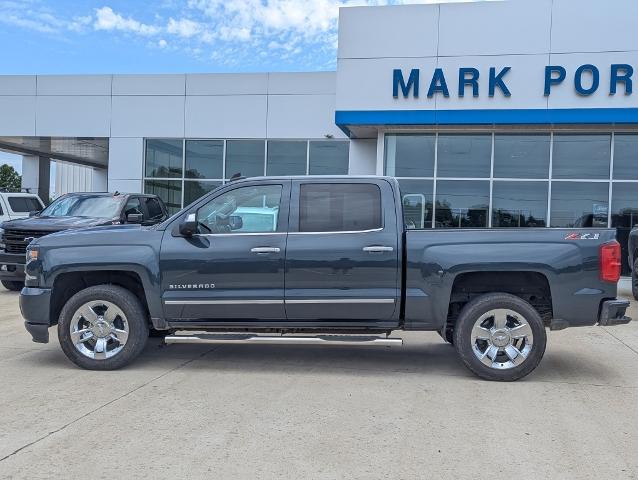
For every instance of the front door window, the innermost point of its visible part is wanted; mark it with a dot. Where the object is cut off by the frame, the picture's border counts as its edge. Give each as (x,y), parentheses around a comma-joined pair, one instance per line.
(252,209)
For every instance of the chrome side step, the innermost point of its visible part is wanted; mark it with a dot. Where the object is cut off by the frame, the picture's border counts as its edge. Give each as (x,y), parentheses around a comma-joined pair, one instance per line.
(345,340)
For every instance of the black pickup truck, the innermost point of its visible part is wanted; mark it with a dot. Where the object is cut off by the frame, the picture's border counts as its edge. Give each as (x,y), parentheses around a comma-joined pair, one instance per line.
(317,260)
(71,211)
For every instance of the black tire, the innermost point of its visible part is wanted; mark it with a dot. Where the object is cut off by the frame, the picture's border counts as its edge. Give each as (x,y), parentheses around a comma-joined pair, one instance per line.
(634,279)
(14,286)
(483,304)
(135,315)
(448,336)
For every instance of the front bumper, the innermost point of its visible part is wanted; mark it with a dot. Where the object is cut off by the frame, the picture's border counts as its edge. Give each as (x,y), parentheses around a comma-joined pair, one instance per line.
(12,266)
(35,305)
(612,313)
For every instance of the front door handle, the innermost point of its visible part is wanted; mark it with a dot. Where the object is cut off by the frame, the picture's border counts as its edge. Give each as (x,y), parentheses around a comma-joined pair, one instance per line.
(377,249)
(265,250)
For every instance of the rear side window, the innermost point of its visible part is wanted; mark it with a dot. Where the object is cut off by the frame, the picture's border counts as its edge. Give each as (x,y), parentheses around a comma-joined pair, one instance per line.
(154,208)
(24,204)
(339,207)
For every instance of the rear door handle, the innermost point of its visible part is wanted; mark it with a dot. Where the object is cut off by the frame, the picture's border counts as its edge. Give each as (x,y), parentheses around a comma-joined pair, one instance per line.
(377,249)
(265,250)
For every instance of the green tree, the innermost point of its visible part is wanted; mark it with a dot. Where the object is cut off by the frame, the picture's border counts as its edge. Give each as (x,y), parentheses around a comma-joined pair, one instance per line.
(9,178)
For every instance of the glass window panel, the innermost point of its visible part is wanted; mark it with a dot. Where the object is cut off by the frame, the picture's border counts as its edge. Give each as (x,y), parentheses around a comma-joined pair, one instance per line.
(581,156)
(409,155)
(245,157)
(204,158)
(521,156)
(251,209)
(416,197)
(464,156)
(579,204)
(519,204)
(339,207)
(286,158)
(626,157)
(170,191)
(24,204)
(164,158)
(195,190)
(462,204)
(329,158)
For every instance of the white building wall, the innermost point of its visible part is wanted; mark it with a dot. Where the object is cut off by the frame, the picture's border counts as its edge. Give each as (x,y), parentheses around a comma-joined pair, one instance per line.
(70,178)
(128,108)
(363,157)
(526,35)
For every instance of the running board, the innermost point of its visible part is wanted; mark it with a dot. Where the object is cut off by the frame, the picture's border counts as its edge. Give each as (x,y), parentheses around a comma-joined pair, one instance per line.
(345,340)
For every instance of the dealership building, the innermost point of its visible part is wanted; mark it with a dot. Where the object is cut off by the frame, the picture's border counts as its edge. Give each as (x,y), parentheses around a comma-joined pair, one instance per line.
(518,113)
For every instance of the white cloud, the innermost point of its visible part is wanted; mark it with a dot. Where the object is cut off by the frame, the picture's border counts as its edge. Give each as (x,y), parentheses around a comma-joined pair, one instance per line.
(32,15)
(301,33)
(183,27)
(107,19)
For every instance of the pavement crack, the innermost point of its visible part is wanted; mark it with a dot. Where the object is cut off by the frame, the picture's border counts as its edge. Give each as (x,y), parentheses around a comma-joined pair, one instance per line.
(110,402)
(620,340)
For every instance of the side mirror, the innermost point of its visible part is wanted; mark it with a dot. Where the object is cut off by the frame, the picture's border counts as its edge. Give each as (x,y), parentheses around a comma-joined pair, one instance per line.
(34,213)
(188,227)
(235,222)
(134,218)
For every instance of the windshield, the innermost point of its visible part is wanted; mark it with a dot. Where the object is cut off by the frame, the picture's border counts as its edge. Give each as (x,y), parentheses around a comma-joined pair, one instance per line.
(78,206)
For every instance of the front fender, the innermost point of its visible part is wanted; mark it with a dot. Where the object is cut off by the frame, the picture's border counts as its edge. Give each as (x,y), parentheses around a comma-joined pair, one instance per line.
(141,260)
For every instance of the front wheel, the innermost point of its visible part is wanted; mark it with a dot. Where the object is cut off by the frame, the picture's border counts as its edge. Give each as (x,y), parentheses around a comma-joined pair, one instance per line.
(103,328)
(13,286)
(500,337)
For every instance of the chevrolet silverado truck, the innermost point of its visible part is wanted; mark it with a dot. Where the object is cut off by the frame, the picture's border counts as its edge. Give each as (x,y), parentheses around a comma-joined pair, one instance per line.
(317,261)
(71,211)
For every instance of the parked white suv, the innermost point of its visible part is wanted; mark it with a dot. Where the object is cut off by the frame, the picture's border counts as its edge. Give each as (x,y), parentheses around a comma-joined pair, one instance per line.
(18,205)
(14,206)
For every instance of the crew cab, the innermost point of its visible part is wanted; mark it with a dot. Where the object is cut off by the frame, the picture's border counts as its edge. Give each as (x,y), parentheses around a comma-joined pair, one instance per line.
(71,211)
(317,260)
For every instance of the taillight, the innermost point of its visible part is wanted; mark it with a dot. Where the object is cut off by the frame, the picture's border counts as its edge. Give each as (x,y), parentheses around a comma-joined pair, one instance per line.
(610,262)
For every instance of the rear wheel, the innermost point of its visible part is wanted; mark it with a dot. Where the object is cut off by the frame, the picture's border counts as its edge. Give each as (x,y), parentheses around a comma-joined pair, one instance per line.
(14,286)
(500,337)
(103,328)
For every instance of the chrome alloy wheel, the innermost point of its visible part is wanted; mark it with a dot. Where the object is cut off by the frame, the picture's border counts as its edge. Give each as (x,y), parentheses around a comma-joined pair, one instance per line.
(502,339)
(99,329)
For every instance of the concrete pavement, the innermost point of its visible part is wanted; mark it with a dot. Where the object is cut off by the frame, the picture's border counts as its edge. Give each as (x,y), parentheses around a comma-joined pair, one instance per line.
(249,411)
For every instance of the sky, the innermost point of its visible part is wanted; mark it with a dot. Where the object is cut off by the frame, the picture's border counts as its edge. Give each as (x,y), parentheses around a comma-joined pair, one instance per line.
(171,36)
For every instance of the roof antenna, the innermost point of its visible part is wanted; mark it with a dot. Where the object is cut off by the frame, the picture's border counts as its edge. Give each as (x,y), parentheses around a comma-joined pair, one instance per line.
(235,177)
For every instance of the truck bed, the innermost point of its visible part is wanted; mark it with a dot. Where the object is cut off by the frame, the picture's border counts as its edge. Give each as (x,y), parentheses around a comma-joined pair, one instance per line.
(452,264)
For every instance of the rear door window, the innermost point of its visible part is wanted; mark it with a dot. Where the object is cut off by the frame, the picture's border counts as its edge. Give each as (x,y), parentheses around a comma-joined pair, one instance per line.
(24,204)
(154,212)
(339,207)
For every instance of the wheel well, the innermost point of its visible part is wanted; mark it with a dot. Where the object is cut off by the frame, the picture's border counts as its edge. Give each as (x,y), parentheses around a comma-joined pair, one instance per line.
(532,287)
(68,284)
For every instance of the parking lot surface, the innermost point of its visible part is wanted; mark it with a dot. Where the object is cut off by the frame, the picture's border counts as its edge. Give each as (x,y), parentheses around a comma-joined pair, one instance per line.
(246,411)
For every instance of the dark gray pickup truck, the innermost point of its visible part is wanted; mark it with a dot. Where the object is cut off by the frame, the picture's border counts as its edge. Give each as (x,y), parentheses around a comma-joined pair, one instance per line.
(317,260)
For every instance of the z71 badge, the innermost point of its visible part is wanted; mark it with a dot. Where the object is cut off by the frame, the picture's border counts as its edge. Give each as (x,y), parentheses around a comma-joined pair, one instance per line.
(583,236)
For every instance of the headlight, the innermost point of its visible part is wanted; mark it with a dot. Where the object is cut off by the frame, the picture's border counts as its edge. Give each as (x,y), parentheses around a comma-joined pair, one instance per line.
(33,252)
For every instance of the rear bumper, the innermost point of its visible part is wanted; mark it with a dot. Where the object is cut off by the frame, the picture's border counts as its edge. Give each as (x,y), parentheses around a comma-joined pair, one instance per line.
(35,307)
(12,266)
(612,312)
